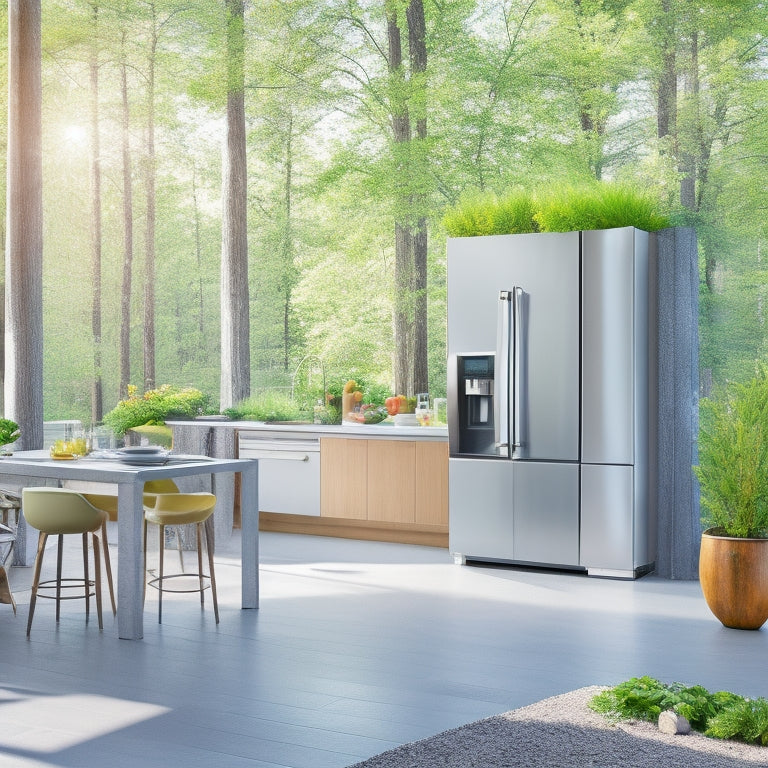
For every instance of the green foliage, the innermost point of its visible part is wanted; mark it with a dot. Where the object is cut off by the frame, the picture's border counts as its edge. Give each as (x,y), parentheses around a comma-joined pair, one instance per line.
(722,715)
(733,459)
(485,214)
(268,406)
(744,720)
(565,209)
(155,406)
(645,698)
(9,431)
(602,206)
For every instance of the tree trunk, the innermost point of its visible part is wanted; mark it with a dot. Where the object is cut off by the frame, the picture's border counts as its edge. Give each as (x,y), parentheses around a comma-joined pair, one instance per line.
(97,396)
(287,265)
(149,242)
(235,324)
(666,114)
(401,129)
(689,161)
(198,257)
(24,225)
(125,296)
(418,55)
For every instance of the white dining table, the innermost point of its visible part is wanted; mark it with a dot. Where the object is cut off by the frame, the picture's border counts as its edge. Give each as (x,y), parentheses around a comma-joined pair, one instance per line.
(130,481)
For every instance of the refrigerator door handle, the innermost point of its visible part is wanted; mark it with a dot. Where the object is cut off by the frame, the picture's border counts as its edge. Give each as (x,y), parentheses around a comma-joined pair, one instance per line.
(502,374)
(518,374)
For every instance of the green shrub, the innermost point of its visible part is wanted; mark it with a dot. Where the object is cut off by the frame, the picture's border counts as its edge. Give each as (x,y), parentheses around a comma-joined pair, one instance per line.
(645,698)
(155,406)
(602,206)
(721,715)
(733,459)
(268,406)
(744,720)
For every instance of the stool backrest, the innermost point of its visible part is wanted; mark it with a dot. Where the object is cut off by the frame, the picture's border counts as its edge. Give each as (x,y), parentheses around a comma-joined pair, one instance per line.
(162,485)
(59,510)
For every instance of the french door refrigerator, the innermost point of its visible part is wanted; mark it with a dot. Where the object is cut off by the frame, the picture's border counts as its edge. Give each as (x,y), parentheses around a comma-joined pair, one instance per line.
(548,400)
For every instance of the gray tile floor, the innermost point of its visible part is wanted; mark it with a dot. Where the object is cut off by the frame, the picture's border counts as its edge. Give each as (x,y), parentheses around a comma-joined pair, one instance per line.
(357,647)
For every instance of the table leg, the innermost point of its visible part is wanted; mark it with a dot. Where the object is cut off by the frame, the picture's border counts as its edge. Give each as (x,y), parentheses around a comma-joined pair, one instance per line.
(130,573)
(249,503)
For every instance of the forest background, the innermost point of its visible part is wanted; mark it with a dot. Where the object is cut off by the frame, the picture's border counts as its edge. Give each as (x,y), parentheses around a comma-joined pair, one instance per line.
(364,122)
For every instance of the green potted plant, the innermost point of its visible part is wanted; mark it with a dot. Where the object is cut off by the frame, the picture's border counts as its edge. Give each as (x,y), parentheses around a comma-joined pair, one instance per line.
(9,433)
(154,407)
(733,480)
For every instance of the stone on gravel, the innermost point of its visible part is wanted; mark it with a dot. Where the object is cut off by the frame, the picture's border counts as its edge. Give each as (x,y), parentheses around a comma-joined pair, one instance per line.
(672,723)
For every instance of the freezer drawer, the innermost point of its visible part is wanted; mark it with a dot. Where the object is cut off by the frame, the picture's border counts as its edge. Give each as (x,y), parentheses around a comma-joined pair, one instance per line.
(480,509)
(514,511)
(546,513)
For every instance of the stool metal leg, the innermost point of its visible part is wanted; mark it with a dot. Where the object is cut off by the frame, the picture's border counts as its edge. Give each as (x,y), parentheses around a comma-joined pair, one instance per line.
(86,578)
(42,538)
(209,547)
(161,528)
(200,577)
(96,579)
(108,564)
(59,555)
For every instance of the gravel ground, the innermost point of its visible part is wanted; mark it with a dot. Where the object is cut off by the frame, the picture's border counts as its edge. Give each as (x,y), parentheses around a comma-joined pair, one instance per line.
(562,732)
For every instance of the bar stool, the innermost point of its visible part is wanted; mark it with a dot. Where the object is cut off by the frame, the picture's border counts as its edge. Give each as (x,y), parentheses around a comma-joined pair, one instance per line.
(164,509)
(108,503)
(58,512)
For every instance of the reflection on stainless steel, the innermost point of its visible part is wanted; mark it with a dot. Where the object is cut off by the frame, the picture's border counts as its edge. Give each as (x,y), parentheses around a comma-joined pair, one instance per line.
(548,400)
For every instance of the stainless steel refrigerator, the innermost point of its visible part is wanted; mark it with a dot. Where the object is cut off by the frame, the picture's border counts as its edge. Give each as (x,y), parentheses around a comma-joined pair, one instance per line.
(549,359)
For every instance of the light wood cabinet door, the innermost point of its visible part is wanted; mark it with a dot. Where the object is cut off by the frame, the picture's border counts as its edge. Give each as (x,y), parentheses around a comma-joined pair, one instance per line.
(344,478)
(431,499)
(391,481)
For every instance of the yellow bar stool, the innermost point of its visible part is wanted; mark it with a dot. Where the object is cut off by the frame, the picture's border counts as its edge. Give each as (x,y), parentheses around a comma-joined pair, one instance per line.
(108,503)
(58,512)
(164,509)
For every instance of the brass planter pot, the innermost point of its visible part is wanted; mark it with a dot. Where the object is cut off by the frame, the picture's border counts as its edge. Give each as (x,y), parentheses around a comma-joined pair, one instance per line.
(734,579)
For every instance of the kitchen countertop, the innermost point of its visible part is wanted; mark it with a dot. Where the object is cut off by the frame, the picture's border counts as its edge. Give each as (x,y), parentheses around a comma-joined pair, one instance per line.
(382,430)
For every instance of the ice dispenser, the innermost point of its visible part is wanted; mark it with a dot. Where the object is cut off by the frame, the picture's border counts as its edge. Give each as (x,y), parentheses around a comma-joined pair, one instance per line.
(474,420)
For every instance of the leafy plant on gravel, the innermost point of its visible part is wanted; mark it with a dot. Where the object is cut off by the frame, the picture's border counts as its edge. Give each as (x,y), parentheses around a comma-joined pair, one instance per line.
(745,720)
(721,715)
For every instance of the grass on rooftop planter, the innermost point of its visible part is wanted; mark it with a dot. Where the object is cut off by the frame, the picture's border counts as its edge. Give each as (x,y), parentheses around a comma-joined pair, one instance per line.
(486,214)
(561,209)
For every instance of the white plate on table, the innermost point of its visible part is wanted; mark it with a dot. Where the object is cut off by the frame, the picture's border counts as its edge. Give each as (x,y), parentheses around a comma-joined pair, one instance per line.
(142,450)
(146,459)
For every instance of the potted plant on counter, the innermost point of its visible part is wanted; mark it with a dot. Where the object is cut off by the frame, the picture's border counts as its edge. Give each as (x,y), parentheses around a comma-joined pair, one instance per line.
(733,479)
(9,433)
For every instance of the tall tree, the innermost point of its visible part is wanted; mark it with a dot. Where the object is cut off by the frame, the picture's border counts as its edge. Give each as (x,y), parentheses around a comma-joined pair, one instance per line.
(408,107)
(404,268)
(151,214)
(235,305)
(125,294)
(417,46)
(24,227)
(97,385)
